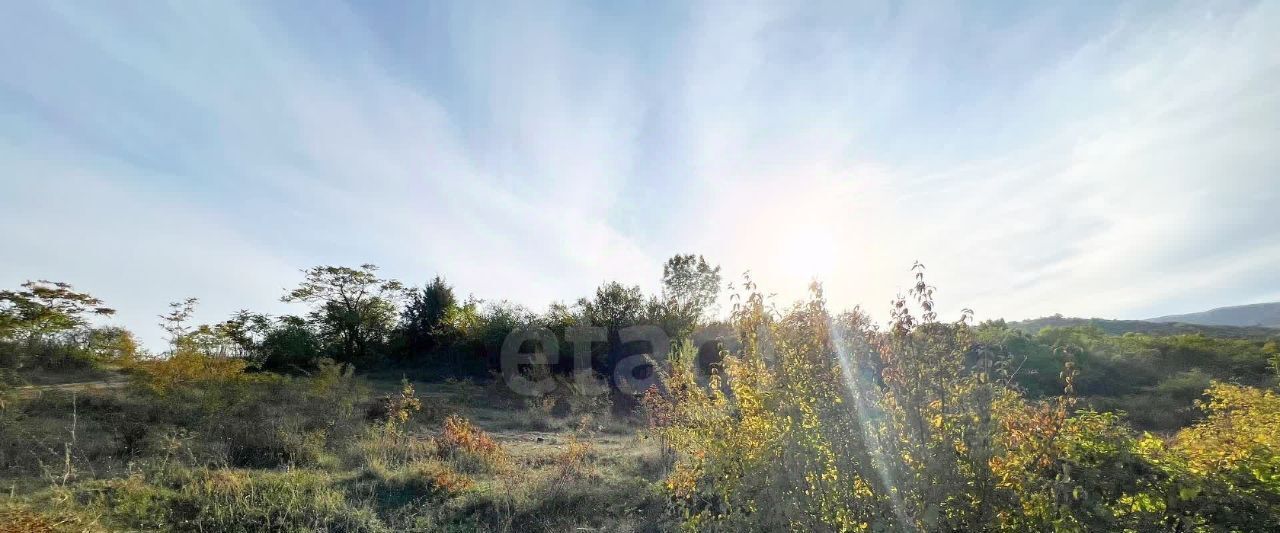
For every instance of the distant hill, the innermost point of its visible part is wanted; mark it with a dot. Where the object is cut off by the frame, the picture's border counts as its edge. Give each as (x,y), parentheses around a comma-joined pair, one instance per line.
(1267,315)
(1120,327)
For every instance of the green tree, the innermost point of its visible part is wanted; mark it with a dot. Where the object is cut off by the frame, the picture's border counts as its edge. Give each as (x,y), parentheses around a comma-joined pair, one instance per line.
(424,321)
(290,346)
(614,307)
(175,321)
(353,307)
(246,331)
(45,308)
(111,343)
(690,287)
(496,321)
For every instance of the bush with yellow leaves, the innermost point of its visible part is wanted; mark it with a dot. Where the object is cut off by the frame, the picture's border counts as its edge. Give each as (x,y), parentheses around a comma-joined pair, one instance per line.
(185,367)
(822,422)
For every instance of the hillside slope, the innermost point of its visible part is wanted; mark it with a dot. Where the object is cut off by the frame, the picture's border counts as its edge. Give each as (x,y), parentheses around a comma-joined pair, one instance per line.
(1120,327)
(1264,314)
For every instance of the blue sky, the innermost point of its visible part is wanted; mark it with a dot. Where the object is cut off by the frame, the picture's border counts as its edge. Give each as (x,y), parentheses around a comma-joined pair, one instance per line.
(1089,158)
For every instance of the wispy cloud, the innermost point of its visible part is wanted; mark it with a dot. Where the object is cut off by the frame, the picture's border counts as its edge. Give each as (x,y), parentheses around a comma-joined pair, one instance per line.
(1115,162)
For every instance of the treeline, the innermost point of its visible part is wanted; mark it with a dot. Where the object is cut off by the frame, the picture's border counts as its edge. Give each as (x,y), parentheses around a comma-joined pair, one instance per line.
(355,316)
(359,318)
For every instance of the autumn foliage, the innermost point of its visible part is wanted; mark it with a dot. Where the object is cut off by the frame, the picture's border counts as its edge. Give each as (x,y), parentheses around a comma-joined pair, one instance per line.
(823,422)
(462,441)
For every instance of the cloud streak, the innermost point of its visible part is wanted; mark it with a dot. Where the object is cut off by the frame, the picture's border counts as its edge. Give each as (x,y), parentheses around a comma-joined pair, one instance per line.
(1112,163)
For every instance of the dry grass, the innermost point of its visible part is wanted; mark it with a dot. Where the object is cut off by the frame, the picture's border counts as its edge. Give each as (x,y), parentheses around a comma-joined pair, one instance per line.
(462,462)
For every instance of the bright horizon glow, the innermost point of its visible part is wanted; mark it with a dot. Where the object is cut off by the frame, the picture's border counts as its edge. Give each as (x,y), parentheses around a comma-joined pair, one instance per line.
(1115,161)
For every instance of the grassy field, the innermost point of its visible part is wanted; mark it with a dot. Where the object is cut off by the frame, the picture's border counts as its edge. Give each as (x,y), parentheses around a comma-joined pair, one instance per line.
(457,457)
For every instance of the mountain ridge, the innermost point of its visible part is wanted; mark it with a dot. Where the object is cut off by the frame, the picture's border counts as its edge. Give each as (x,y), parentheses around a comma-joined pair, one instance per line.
(1265,314)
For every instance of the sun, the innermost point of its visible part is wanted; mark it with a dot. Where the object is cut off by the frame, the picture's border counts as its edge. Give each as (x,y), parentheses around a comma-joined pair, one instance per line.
(805,252)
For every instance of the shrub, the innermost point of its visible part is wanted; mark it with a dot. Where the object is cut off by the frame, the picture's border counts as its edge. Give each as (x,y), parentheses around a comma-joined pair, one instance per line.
(575,461)
(825,423)
(429,478)
(186,367)
(1233,457)
(469,446)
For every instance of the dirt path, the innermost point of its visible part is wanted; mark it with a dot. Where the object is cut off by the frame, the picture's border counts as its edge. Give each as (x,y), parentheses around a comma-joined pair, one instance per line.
(31,391)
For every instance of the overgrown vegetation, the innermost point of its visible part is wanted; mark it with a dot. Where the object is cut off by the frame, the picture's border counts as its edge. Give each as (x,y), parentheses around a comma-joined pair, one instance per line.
(823,422)
(378,410)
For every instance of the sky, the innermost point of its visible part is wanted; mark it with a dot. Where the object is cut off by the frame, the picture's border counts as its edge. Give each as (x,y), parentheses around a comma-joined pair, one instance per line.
(1110,159)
